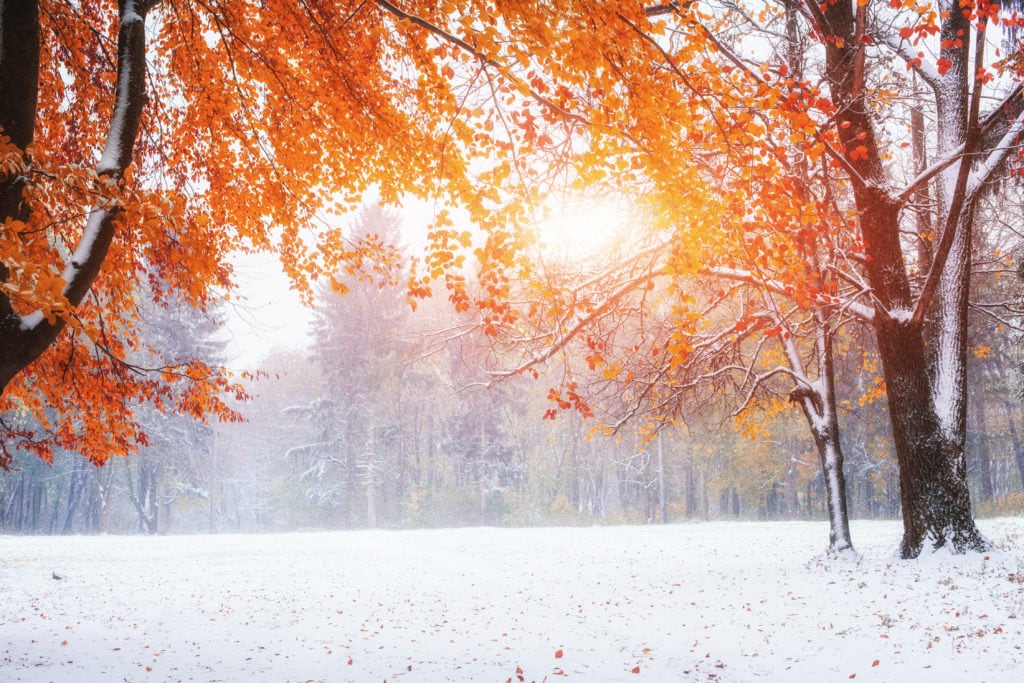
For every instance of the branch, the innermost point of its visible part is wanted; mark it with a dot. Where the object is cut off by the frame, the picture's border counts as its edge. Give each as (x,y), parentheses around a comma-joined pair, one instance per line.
(761,378)
(960,198)
(817,17)
(668,8)
(1012,99)
(864,313)
(928,73)
(563,338)
(479,56)
(986,309)
(36,332)
(988,167)
(19,88)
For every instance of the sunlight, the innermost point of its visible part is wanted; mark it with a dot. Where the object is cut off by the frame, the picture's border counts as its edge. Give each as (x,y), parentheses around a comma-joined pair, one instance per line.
(581,228)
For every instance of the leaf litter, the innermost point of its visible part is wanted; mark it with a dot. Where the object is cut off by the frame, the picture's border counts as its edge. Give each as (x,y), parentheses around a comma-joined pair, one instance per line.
(716,601)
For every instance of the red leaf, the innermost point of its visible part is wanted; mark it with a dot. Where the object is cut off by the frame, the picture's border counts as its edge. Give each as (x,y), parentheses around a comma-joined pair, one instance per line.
(874,663)
(558,654)
(635,670)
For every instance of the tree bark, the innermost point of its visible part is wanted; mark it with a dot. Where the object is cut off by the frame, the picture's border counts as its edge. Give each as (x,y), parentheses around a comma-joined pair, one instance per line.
(819,408)
(929,450)
(24,338)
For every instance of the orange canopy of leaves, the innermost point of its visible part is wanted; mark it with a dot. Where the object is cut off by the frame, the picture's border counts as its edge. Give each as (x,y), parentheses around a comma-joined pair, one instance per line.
(266,119)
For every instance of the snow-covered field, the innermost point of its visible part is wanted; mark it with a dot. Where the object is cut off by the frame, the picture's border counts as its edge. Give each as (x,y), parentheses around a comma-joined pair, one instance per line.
(687,602)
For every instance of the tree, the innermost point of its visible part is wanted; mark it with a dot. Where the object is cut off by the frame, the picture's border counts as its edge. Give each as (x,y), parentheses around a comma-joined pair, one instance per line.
(486,106)
(363,360)
(916,282)
(176,463)
(163,137)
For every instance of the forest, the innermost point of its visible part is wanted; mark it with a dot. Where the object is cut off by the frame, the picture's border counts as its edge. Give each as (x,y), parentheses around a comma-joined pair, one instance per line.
(810,306)
(379,424)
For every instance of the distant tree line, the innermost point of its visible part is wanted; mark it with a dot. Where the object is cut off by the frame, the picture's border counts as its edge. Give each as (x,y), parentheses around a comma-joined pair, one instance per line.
(386,422)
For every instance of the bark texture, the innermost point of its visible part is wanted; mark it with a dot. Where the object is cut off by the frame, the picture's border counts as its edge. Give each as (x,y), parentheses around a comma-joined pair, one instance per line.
(929,436)
(23,338)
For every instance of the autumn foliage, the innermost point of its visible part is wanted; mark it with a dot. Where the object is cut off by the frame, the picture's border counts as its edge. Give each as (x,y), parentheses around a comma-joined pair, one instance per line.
(780,169)
(260,123)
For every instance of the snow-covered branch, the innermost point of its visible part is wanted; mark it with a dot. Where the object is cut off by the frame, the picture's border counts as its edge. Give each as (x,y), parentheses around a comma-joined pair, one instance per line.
(988,126)
(129,99)
(904,49)
(858,310)
(986,169)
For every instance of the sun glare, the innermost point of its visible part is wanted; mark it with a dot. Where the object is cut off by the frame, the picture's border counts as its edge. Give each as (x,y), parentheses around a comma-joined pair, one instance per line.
(582,229)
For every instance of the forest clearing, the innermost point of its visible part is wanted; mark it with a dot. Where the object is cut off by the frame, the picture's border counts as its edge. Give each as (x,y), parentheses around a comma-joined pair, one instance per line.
(747,272)
(716,601)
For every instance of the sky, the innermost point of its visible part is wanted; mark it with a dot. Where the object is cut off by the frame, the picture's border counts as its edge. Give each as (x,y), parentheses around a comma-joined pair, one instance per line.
(267,314)
(269,317)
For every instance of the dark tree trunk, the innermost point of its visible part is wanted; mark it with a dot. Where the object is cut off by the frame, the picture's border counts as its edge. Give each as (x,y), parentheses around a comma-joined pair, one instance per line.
(22,340)
(933,473)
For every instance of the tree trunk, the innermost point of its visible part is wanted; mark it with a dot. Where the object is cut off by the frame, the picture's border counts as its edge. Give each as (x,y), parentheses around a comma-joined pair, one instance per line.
(932,468)
(24,338)
(981,452)
(79,477)
(927,393)
(662,504)
(212,497)
(820,411)
(1018,447)
(692,501)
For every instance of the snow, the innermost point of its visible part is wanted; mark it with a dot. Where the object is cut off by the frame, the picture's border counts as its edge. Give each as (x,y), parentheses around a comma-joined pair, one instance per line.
(986,168)
(902,315)
(685,602)
(113,160)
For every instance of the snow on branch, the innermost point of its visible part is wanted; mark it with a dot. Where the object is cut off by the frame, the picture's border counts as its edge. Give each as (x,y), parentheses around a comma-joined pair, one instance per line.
(129,100)
(904,49)
(856,309)
(987,168)
(1013,101)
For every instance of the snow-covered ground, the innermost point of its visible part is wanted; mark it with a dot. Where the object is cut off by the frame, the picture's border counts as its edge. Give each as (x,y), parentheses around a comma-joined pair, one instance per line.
(686,602)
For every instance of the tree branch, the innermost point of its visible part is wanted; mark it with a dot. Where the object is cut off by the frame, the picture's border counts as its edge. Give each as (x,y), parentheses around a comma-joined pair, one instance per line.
(36,331)
(960,199)
(396,11)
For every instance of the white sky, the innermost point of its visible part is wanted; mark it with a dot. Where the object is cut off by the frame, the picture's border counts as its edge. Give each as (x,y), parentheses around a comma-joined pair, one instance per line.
(268,314)
(269,317)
